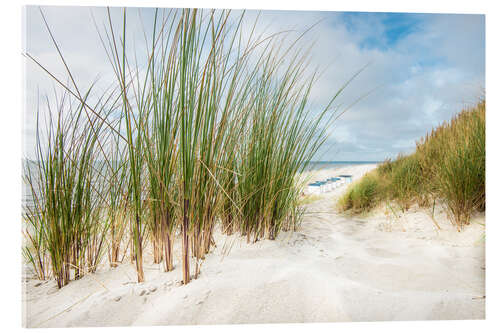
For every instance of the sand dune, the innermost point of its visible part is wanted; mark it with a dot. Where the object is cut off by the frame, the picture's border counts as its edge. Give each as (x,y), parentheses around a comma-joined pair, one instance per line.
(335,268)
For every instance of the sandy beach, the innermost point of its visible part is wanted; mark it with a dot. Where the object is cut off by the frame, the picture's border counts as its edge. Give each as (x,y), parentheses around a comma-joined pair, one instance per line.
(335,268)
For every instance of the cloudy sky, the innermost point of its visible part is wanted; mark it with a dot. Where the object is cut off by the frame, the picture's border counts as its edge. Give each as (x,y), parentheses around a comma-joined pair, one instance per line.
(422,68)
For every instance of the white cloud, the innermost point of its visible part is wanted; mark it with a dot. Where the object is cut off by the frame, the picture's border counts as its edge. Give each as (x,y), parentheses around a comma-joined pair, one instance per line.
(420,80)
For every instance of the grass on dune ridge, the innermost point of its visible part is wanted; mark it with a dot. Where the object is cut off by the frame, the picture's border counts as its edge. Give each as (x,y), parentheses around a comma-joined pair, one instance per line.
(448,166)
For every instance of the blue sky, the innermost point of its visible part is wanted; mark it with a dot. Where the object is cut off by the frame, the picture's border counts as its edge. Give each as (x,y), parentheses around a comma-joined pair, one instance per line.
(396,26)
(423,68)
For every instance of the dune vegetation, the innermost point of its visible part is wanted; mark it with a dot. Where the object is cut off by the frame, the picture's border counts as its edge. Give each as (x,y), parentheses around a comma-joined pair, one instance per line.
(448,167)
(203,129)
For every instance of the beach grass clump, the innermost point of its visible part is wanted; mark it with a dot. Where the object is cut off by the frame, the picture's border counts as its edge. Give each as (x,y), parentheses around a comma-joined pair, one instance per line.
(133,109)
(405,181)
(459,172)
(64,216)
(206,85)
(278,142)
(448,165)
(34,248)
(180,128)
(201,127)
(282,136)
(160,142)
(363,195)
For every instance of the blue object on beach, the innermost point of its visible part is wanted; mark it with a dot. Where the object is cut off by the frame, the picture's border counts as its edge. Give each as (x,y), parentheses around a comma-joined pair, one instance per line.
(348,178)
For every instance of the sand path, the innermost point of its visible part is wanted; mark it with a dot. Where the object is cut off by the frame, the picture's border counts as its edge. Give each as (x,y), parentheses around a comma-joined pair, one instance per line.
(335,268)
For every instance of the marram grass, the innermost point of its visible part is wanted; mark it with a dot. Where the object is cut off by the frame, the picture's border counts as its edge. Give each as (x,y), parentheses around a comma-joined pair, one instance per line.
(448,165)
(203,127)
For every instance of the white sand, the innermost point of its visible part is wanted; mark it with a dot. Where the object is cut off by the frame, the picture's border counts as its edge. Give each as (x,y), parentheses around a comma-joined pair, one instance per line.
(335,268)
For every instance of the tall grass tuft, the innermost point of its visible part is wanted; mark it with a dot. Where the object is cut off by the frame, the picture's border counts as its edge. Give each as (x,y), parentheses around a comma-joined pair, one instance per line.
(406,180)
(64,215)
(362,195)
(282,135)
(203,126)
(459,170)
(160,142)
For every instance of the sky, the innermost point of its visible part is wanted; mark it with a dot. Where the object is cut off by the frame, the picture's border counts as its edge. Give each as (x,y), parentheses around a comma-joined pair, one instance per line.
(419,69)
